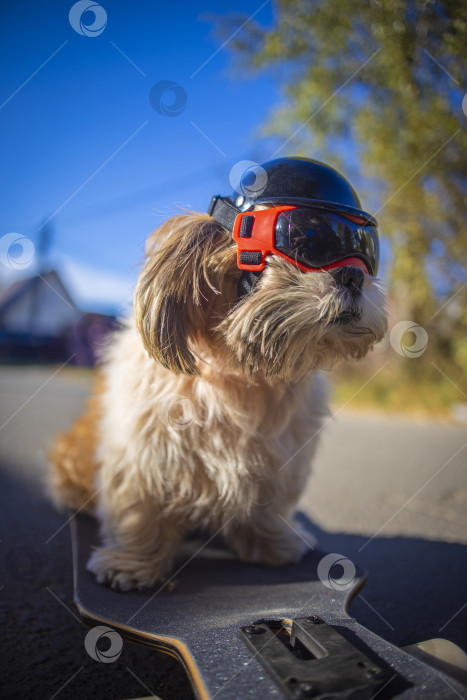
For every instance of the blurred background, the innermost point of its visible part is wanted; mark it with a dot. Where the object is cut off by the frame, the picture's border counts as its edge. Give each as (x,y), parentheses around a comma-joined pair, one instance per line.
(113,119)
(115,116)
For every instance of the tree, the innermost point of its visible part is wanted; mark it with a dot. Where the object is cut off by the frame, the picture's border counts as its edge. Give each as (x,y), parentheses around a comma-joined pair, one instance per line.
(380,83)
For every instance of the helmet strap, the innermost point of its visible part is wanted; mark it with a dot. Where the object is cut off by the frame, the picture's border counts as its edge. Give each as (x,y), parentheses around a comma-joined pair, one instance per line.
(224,212)
(247,281)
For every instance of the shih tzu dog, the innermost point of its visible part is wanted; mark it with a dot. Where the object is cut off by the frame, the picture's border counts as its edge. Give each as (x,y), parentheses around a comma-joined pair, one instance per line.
(209,402)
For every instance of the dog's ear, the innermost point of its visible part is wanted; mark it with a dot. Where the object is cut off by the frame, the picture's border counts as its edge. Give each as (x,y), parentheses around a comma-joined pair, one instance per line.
(187,261)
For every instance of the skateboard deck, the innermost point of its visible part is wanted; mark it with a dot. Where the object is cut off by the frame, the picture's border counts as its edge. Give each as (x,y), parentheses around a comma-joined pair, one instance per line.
(243,630)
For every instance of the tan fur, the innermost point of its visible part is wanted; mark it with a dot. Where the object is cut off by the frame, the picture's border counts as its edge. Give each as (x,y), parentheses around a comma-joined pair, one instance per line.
(73,455)
(192,259)
(212,406)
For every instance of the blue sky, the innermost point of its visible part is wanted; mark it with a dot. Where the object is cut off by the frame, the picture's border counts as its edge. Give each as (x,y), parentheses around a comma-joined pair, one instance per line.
(83,146)
(89,100)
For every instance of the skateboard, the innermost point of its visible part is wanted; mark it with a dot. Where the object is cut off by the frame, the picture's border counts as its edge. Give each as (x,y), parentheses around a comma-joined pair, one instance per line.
(244,630)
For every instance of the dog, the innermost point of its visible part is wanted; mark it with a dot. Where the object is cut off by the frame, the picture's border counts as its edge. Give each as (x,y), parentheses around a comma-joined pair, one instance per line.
(208,406)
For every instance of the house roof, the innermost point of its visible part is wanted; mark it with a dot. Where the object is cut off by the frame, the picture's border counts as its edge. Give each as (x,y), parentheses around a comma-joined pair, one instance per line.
(11,294)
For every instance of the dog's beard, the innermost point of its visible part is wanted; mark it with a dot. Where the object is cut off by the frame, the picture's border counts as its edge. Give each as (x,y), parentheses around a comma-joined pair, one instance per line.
(293,323)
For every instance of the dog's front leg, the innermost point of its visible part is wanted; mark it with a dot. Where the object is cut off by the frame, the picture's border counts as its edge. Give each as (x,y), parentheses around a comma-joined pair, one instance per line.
(139,542)
(271,538)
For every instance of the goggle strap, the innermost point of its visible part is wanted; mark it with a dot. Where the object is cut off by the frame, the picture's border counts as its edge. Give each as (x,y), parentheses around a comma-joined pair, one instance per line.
(247,281)
(223,211)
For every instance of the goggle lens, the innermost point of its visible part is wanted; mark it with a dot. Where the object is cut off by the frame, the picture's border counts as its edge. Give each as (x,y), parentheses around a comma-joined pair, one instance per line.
(318,238)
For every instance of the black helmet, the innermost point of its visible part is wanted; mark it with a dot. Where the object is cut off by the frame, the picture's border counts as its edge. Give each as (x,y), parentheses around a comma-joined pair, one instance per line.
(299,181)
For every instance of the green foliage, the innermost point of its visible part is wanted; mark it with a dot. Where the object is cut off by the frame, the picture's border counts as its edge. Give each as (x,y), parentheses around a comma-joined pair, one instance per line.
(393,390)
(384,79)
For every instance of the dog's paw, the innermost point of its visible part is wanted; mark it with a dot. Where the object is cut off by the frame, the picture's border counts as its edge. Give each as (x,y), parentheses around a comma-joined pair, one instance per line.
(286,545)
(285,548)
(122,570)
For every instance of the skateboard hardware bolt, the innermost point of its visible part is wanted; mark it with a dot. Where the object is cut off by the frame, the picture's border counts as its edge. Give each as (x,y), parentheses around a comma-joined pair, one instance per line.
(374,673)
(314,619)
(252,629)
(307,689)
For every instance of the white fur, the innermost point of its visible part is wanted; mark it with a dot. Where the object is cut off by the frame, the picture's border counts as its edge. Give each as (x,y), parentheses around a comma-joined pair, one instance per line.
(200,475)
(212,405)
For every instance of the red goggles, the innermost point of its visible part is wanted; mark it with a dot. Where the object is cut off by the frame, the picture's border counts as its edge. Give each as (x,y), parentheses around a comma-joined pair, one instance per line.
(312,239)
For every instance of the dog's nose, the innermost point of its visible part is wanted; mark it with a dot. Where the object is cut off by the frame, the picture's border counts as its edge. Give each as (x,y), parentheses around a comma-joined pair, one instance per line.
(350,277)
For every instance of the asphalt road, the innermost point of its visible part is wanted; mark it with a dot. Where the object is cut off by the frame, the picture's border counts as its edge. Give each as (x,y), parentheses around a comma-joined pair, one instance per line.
(389,494)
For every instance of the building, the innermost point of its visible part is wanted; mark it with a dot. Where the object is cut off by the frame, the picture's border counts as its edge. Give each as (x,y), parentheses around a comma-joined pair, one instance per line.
(39,322)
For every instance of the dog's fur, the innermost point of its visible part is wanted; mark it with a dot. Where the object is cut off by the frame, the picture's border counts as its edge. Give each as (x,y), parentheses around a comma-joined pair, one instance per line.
(209,407)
